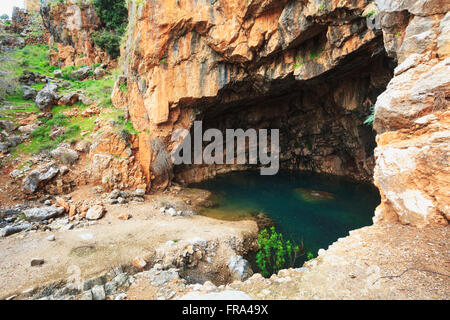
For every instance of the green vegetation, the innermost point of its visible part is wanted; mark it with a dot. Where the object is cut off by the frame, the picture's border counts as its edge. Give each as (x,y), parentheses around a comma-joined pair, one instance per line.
(123,88)
(371,14)
(109,41)
(35,58)
(114,16)
(274,253)
(371,117)
(371,11)
(32,58)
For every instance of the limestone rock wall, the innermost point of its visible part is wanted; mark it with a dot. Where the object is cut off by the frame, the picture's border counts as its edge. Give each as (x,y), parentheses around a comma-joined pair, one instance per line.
(316,67)
(412,116)
(71,24)
(189,60)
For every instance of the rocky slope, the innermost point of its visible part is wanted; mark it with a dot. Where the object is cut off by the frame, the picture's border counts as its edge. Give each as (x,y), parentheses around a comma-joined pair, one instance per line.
(412,116)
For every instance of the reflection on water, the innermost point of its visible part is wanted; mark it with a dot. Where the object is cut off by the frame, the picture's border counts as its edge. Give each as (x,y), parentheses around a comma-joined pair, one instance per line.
(317,209)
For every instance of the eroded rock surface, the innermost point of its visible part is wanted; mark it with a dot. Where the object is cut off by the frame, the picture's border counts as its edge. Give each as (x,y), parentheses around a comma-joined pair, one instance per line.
(412,116)
(312,69)
(71,25)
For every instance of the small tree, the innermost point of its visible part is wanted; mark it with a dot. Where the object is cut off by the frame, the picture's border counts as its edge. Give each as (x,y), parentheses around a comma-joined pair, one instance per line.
(274,253)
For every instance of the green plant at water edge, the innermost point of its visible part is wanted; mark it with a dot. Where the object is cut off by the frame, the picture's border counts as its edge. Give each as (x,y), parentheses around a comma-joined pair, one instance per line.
(309,255)
(274,253)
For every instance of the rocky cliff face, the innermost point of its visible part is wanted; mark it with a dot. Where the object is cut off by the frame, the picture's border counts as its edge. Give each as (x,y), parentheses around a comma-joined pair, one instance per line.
(311,68)
(412,116)
(71,25)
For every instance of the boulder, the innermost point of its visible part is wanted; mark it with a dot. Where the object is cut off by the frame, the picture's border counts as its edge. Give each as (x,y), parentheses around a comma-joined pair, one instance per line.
(65,155)
(73,97)
(99,73)
(140,192)
(31,181)
(239,268)
(4,148)
(47,97)
(36,177)
(82,73)
(98,293)
(69,99)
(41,214)
(28,128)
(14,141)
(9,230)
(56,132)
(7,125)
(96,212)
(30,93)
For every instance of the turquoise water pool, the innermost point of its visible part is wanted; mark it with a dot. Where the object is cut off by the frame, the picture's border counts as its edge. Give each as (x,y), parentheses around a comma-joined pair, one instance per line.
(313,208)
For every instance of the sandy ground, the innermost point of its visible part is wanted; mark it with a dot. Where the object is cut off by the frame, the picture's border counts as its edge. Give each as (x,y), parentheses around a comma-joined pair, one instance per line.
(100,247)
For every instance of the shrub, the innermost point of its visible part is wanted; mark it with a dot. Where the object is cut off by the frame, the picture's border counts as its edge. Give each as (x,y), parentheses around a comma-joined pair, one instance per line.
(114,17)
(108,41)
(274,253)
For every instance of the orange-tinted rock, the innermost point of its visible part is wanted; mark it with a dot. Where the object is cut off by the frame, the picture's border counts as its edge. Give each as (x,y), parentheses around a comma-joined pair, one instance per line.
(71,26)
(124,216)
(112,162)
(194,55)
(72,212)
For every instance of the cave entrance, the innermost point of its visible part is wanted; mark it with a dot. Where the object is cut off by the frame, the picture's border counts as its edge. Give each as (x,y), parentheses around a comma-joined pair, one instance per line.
(324,188)
(322,121)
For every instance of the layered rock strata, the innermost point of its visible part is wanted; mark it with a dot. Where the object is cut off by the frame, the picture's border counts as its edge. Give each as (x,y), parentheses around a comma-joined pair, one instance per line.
(312,69)
(412,116)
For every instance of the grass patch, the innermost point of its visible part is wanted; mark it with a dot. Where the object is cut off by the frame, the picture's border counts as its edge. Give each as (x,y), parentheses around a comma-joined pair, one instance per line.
(34,58)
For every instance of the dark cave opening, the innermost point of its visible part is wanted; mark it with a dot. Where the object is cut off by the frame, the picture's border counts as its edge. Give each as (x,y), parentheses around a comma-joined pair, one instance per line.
(321,121)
